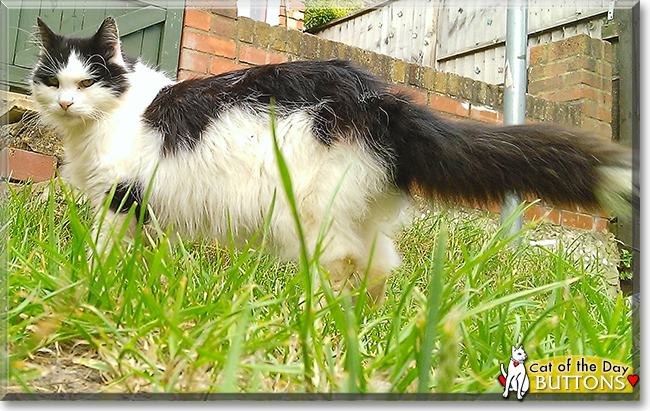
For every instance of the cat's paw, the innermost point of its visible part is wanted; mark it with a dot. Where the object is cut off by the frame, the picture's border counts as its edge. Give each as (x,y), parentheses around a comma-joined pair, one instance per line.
(505,394)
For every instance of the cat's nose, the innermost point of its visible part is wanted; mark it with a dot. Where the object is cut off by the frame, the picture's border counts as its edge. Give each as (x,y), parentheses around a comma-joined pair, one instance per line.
(65,104)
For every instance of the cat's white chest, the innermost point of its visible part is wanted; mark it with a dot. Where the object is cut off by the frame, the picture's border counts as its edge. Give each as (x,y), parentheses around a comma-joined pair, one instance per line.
(111,151)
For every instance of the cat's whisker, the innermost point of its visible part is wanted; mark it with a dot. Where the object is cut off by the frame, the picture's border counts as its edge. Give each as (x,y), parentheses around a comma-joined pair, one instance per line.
(89,64)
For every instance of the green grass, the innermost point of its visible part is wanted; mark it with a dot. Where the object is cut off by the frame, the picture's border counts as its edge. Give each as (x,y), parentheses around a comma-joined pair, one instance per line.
(203,317)
(159,317)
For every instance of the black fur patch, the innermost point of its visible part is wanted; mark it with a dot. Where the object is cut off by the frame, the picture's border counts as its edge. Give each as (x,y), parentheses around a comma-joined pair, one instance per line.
(96,51)
(126,195)
(475,163)
(337,93)
(462,162)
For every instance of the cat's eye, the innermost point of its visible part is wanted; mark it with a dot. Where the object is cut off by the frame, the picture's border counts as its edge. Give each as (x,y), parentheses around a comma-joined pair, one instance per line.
(51,81)
(86,83)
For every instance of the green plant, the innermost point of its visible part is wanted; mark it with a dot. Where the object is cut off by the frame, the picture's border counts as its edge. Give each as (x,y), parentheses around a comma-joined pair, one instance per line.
(155,316)
(625,263)
(319,12)
(200,317)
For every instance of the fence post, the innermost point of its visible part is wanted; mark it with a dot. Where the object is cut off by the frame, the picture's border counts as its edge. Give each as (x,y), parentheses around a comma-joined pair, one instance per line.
(514,94)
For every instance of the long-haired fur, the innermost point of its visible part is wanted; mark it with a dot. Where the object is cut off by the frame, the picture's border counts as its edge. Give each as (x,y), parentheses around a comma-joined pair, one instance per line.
(203,151)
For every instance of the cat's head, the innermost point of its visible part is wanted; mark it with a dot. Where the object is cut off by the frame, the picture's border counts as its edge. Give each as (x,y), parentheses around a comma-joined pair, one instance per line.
(518,354)
(77,80)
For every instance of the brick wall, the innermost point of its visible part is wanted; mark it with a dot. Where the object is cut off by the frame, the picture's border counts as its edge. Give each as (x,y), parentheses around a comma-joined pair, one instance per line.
(576,70)
(571,76)
(292,14)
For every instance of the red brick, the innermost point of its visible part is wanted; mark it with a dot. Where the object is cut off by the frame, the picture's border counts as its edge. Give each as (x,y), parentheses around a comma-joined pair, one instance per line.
(186,75)
(571,219)
(607,100)
(22,165)
(537,213)
(607,51)
(588,78)
(494,208)
(193,61)
(208,44)
(597,111)
(604,69)
(597,126)
(538,54)
(537,72)
(226,8)
(601,224)
(197,19)
(552,83)
(577,92)
(448,105)
(569,46)
(557,68)
(218,66)
(277,58)
(604,113)
(255,56)
(224,27)
(295,24)
(584,62)
(589,108)
(485,115)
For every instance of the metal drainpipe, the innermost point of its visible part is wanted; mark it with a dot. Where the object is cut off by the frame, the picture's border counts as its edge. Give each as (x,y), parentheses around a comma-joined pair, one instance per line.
(514,94)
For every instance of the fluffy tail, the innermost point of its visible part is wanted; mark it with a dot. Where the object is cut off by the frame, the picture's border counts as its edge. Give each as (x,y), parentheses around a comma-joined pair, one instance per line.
(478,163)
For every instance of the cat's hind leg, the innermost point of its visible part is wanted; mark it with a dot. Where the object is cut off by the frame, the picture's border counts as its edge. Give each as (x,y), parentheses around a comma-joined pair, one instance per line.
(353,261)
(523,386)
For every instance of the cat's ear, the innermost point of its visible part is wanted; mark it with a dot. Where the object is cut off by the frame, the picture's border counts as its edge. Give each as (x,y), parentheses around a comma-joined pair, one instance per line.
(48,37)
(109,38)
(521,346)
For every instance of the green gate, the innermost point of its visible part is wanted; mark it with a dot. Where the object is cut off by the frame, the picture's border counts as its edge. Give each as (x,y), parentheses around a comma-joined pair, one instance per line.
(150,29)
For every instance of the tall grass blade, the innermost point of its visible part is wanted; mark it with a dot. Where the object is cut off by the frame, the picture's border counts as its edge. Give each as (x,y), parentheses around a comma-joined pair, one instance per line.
(432,314)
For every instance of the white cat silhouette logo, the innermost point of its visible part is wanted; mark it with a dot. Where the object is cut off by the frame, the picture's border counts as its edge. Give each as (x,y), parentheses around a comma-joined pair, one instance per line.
(516,379)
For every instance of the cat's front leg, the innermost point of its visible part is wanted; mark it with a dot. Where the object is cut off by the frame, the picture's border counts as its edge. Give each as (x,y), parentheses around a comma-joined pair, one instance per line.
(509,381)
(516,387)
(110,227)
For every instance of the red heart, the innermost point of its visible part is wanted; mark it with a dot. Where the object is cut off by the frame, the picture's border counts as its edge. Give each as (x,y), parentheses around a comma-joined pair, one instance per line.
(502,380)
(516,364)
(633,379)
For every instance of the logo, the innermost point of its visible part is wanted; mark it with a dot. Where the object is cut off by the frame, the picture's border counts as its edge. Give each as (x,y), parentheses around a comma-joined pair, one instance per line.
(516,378)
(567,374)
(581,374)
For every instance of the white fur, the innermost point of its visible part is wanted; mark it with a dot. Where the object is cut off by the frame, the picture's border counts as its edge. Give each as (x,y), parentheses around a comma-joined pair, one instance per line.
(615,190)
(232,174)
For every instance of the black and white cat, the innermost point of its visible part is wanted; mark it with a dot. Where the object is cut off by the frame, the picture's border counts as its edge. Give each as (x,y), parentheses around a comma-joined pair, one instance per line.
(344,135)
